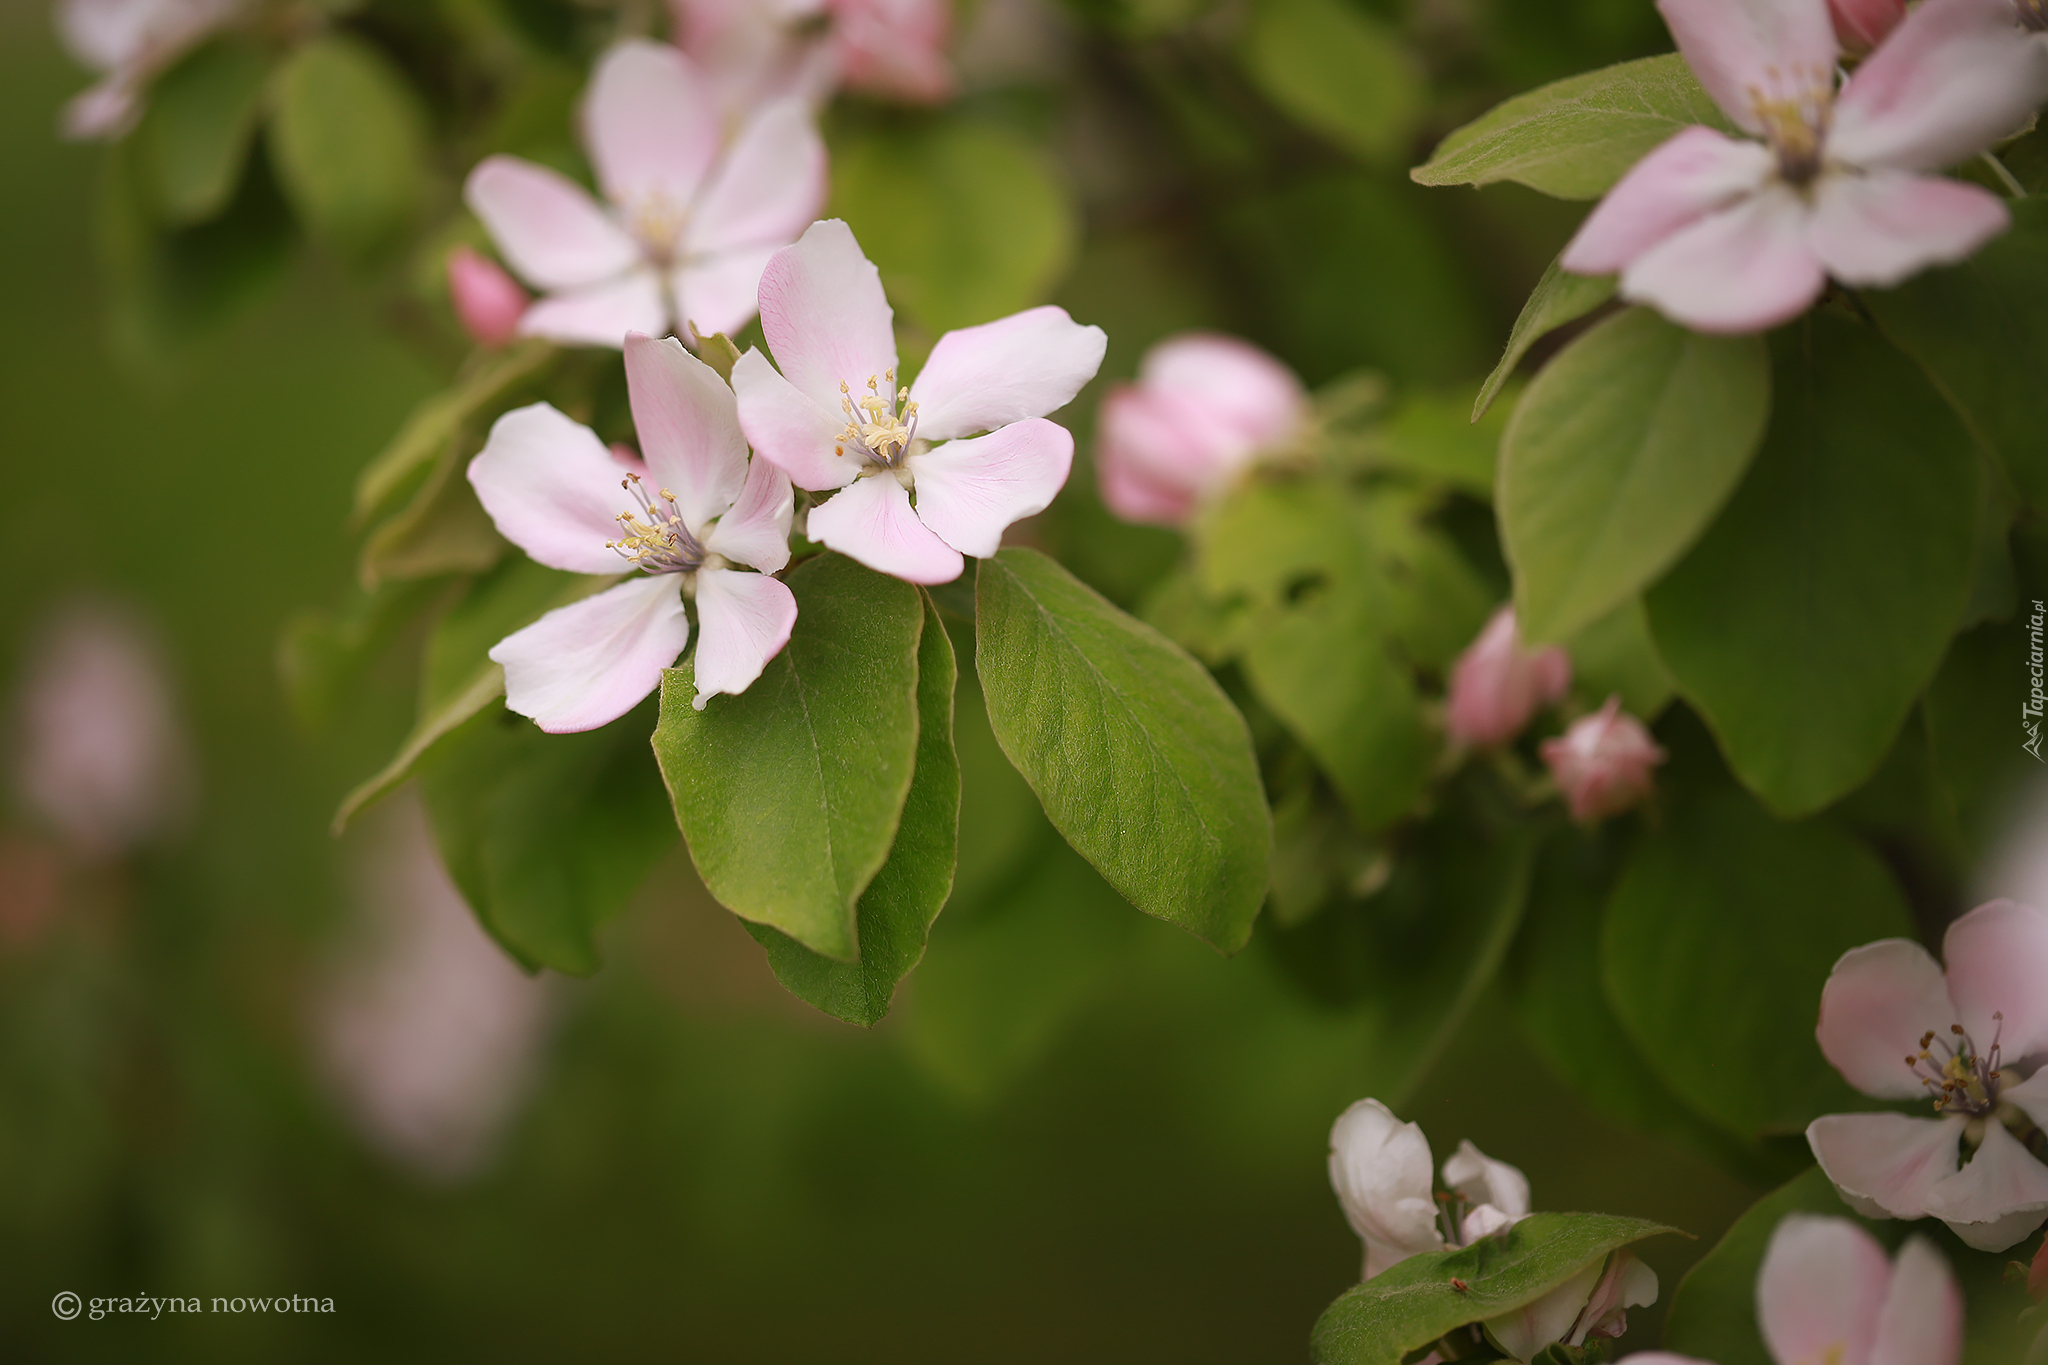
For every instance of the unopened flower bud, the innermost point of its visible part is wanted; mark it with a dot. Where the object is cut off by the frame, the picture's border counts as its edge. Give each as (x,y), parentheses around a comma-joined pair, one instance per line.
(1863,24)
(1497,685)
(1603,763)
(487,300)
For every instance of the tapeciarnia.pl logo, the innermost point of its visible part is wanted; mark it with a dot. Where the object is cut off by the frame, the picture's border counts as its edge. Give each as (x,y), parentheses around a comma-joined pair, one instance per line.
(2037,699)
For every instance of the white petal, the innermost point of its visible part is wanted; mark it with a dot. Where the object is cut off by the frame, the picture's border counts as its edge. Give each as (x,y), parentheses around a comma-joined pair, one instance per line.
(756,530)
(1741,47)
(1819,1290)
(1884,1165)
(785,426)
(1879,1002)
(587,664)
(1997,959)
(825,316)
(601,315)
(2000,1197)
(1024,365)
(1482,1180)
(547,226)
(104,110)
(1877,229)
(1380,1169)
(871,521)
(969,491)
(1534,1326)
(651,127)
(717,293)
(1243,394)
(1689,175)
(769,187)
(1922,1321)
(689,428)
(1954,77)
(745,620)
(2030,1096)
(552,488)
(1744,268)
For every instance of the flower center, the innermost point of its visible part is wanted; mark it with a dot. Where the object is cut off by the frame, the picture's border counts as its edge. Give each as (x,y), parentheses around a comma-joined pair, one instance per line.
(656,541)
(880,425)
(656,222)
(1961,1078)
(1795,114)
(2033,15)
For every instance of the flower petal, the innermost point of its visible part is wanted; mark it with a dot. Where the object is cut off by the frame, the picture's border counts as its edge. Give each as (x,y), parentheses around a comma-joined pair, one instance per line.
(1997,1199)
(717,293)
(785,426)
(1820,1289)
(745,620)
(651,127)
(1952,79)
(1689,175)
(546,225)
(601,315)
(552,488)
(1997,959)
(756,530)
(587,664)
(1482,1180)
(105,109)
(1879,1002)
(1627,1283)
(1136,443)
(1883,1165)
(871,521)
(825,315)
(1922,1319)
(1738,48)
(1233,388)
(969,492)
(1744,268)
(1025,365)
(689,428)
(1877,229)
(769,187)
(2029,1096)
(1379,1167)
(1533,1326)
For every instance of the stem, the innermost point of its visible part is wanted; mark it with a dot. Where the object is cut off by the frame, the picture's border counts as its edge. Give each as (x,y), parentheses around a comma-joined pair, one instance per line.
(2012,183)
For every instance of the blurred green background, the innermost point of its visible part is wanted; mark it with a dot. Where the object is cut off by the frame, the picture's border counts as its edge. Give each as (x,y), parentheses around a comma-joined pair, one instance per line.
(1131,1168)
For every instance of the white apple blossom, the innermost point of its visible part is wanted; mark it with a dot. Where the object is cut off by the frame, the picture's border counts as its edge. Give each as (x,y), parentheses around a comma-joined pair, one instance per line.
(129,42)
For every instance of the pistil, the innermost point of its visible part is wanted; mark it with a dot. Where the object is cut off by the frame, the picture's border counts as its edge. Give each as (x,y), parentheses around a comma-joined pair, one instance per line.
(875,423)
(1962,1079)
(1796,123)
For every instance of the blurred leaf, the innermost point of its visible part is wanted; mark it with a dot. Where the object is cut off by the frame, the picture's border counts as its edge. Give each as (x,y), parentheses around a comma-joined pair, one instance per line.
(1618,457)
(1559,297)
(790,794)
(194,135)
(1719,935)
(444,529)
(433,425)
(1574,138)
(1976,740)
(1429,435)
(1809,617)
(897,909)
(1615,656)
(322,655)
(1136,755)
(719,353)
(966,221)
(1412,1304)
(349,142)
(1338,70)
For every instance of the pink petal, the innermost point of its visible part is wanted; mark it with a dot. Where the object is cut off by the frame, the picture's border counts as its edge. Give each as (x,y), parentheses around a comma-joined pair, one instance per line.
(1661,1358)
(825,315)
(1879,228)
(1379,1167)
(101,111)
(785,426)
(717,293)
(546,225)
(1231,387)
(1024,365)
(1863,24)
(1498,684)
(1820,1289)
(1997,962)
(1482,1180)
(1954,78)
(552,488)
(1530,1328)
(587,664)
(1879,1002)
(1744,268)
(1998,1198)
(2029,1096)
(769,187)
(1627,1283)
(487,300)
(1152,465)
(601,315)
(871,521)
(689,428)
(1689,175)
(650,126)
(1883,1165)
(756,530)
(745,620)
(1740,47)
(1922,1319)
(969,491)
(894,47)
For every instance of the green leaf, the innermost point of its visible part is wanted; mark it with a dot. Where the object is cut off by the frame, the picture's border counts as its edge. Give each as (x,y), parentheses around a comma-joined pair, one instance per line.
(965,221)
(1559,297)
(1428,436)
(1138,758)
(1713,1311)
(790,794)
(1575,137)
(718,351)
(1809,617)
(349,143)
(194,136)
(1977,742)
(323,654)
(1618,457)
(444,529)
(432,426)
(1339,70)
(897,909)
(1615,656)
(1412,1304)
(1719,936)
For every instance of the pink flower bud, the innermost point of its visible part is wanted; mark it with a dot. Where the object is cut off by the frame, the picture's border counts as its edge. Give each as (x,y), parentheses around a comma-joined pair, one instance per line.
(1603,762)
(1863,24)
(489,301)
(1497,684)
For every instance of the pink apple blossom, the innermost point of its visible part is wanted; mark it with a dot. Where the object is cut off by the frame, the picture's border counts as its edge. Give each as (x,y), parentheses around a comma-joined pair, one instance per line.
(690,219)
(1603,763)
(693,511)
(1826,1294)
(758,50)
(488,302)
(129,42)
(1498,684)
(1863,24)
(1203,408)
(835,416)
(1730,235)
(1974,1040)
